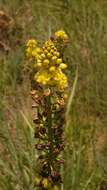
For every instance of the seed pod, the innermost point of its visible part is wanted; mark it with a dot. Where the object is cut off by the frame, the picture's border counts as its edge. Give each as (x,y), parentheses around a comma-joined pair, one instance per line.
(45,170)
(39,146)
(36,120)
(55,176)
(42,130)
(61,161)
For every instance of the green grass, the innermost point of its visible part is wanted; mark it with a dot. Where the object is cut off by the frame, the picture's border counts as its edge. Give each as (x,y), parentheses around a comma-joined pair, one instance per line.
(86,133)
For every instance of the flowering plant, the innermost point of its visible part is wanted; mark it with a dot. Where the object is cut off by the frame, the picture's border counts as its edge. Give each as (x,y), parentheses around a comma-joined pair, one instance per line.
(49,95)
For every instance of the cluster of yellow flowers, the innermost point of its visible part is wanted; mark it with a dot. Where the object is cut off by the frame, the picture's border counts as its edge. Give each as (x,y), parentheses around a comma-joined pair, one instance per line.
(45,183)
(32,50)
(61,35)
(50,67)
(48,62)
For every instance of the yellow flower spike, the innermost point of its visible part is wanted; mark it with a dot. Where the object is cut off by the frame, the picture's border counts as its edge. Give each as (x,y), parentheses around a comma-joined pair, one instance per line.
(59,61)
(52,69)
(63,66)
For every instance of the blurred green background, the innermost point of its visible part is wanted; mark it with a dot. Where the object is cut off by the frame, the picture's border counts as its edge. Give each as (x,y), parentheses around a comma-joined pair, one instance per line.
(85,21)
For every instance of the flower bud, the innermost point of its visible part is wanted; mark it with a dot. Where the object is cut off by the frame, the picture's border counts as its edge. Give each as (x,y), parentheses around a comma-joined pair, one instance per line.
(63,66)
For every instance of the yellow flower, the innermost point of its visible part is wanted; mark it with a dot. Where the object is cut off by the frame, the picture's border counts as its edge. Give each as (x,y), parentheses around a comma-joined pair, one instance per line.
(61,79)
(37,180)
(63,66)
(48,48)
(52,69)
(34,53)
(54,58)
(42,77)
(28,52)
(39,64)
(59,61)
(38,50)
(32,50)
(46,51)
(56,53)
(45,62)
(46,183)
(31,43)
(61,34)
(49,55)
(51,51)
(43,56)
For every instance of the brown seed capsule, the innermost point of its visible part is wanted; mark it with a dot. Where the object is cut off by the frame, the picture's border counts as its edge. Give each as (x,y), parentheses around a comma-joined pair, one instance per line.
(47,92)
(39,146)
(42,130)
(41,157)
(61,161)
(36,135)
(103,186)
(61,102)
(34,105)
(45,170)
(61,146)
(52,38)
(56,151)
(33,92)
(36,120)
(48,145)
(36,96)
(55,176)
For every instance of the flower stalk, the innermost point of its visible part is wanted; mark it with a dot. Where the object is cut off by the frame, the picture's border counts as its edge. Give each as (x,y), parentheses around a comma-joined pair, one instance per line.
(49,95)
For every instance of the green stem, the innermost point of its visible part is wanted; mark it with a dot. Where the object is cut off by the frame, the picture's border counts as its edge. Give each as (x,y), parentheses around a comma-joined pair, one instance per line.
(50,135)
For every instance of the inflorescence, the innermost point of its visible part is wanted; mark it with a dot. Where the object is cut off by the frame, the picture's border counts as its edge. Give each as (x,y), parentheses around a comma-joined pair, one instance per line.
(49,98)
(48,62)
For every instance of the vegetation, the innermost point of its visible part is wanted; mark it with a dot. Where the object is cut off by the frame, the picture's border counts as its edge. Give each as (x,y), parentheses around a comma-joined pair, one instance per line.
(85,156)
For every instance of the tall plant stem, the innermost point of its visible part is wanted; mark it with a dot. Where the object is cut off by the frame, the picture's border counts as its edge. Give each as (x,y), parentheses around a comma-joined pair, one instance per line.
(50,133)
